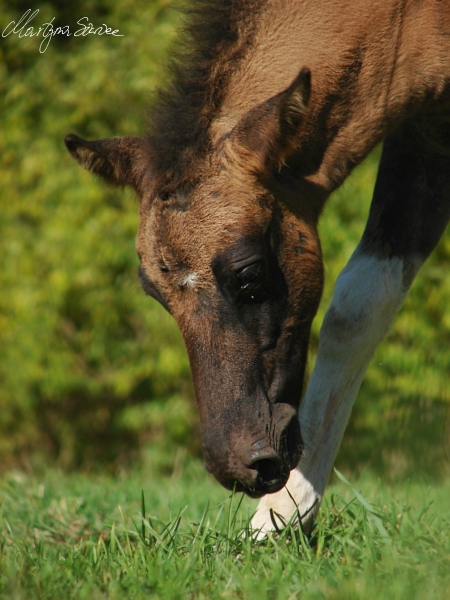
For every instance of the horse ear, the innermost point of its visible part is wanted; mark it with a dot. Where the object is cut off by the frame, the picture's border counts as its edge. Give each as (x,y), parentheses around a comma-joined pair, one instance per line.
(120,161)
(266,136)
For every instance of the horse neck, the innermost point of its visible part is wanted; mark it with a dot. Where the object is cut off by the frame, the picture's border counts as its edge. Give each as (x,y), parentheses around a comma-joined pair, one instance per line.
(362,62)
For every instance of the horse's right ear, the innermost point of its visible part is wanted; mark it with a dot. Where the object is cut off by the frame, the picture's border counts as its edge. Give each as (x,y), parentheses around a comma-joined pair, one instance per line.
(120,161)
(268,134)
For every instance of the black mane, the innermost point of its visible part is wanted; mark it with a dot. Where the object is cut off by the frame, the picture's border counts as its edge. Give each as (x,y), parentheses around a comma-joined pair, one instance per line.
(215,37)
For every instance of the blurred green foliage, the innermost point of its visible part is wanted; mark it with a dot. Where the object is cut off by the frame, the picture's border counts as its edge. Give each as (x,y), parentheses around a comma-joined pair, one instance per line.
(90,369)
(81,346)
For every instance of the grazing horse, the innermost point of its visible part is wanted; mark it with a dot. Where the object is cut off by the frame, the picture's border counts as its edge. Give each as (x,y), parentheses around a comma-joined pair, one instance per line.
(269,106)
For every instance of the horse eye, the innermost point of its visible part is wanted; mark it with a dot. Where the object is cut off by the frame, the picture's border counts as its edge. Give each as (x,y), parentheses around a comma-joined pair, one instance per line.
(251,276)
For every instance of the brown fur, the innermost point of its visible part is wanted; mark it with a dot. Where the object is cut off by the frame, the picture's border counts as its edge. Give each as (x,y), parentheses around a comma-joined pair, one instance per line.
(270,106)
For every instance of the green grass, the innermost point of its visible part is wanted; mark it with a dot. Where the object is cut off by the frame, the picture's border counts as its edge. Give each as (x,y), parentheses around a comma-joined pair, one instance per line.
(174,533)
(102,373)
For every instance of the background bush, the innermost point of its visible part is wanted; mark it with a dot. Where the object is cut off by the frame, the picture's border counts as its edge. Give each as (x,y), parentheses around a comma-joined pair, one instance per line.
(90,369)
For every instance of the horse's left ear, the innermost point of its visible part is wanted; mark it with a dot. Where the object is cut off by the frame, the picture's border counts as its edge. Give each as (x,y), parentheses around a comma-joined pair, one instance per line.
(266,136)
(120,161)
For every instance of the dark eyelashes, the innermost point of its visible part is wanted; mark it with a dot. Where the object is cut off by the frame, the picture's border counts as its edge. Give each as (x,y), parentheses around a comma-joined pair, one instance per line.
(251,274)
(252,281)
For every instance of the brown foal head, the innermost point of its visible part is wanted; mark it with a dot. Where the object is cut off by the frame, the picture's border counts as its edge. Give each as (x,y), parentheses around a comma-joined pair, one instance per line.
(230,249)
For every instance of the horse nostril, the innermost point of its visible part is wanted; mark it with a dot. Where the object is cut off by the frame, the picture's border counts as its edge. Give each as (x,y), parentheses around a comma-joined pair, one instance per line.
(271,473)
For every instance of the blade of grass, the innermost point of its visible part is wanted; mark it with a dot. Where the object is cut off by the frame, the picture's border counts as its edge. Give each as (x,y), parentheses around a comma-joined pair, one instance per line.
(374,516)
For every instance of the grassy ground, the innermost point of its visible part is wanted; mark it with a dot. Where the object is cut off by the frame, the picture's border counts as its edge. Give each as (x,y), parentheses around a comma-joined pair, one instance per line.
(168,531)
(99,376)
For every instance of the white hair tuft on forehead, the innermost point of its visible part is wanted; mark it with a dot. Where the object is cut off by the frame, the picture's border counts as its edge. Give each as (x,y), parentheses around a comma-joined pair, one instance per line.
(189,280)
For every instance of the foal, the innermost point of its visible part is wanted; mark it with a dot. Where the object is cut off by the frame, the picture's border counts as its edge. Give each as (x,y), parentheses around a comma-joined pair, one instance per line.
(267,112)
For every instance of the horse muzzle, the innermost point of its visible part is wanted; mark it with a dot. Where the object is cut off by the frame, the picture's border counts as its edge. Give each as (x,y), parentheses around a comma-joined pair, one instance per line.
(257,459)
